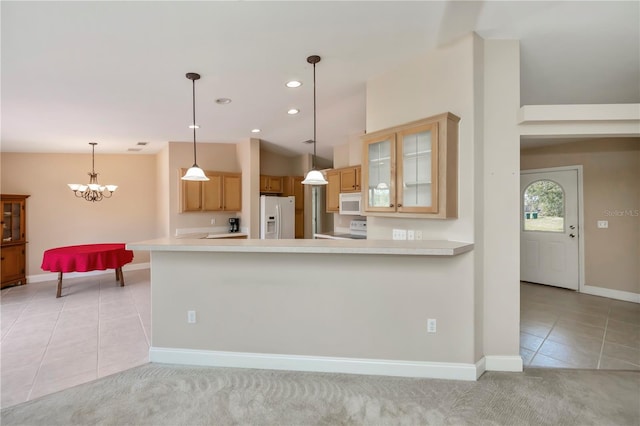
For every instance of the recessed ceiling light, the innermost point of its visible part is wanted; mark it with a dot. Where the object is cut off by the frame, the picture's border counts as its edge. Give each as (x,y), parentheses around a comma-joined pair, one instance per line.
(255,130)
(194,126)
(134,149)
(223,101)
(293,111)
(294,83)
(142,143)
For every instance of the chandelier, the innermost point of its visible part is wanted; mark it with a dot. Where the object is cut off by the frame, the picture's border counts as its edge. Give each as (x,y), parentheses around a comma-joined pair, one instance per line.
(314,177)
(93,191)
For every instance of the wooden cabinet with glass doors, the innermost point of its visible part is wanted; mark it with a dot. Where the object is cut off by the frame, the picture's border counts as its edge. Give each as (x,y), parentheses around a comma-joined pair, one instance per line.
(412,170)
(14,240)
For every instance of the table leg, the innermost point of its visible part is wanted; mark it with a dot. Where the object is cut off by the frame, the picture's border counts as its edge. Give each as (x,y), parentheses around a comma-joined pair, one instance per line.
(119,272)
(59,293)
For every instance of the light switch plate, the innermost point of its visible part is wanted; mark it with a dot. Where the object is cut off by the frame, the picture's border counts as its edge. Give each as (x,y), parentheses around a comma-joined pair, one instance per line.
(603,224)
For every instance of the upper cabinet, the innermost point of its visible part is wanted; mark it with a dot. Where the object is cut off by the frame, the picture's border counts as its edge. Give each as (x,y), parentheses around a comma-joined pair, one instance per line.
(350,179)
(222,192)
(412,170)
(346,179)
(271,184)
(333,191)
(293,186)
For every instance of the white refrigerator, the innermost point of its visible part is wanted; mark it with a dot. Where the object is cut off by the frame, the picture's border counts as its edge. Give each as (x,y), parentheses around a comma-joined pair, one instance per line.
(277,217)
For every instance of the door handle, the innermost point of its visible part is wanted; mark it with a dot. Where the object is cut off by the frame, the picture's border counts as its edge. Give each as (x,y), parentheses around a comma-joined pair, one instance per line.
(572,235)
(572,227)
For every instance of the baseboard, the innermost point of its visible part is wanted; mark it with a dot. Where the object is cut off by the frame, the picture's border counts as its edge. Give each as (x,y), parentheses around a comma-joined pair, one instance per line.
(503,363)
(610,293)
(378,367)
(53,276)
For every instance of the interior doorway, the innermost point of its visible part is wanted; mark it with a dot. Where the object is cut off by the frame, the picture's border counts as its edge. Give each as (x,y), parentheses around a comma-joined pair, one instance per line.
(550,240)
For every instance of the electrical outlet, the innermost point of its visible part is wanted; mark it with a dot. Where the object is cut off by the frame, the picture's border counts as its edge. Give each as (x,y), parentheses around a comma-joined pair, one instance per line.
(191,317)
(399,234)
(411,234)
(431,325)
(603,224)
(418,235)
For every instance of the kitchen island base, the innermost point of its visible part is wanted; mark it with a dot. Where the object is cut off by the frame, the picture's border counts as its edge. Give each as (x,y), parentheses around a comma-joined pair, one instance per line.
(354,308)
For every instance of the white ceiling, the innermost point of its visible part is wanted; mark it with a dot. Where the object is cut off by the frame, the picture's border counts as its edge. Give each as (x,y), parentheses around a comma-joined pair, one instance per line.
(114,72)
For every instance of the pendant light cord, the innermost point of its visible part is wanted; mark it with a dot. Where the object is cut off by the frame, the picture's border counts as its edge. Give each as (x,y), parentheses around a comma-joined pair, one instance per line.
(313,163)
(195,163)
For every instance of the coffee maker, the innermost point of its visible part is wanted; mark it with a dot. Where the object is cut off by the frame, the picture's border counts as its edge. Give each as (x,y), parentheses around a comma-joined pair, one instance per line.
(234,224)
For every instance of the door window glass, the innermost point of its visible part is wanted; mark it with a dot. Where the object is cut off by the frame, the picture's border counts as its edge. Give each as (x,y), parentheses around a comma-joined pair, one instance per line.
(543,207)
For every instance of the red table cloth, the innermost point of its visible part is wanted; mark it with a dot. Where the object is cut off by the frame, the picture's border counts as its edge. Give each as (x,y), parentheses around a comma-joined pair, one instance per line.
(84,258)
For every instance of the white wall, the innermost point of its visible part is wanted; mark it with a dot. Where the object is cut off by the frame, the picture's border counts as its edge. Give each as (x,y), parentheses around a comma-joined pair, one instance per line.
(249,158)
(439,81)
(477,80)
(501,194)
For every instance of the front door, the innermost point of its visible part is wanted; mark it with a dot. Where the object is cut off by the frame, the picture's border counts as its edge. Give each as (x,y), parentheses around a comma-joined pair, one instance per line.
(549,249)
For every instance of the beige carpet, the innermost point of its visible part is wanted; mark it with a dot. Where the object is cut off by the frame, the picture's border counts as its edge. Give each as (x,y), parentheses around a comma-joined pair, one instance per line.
(156,394)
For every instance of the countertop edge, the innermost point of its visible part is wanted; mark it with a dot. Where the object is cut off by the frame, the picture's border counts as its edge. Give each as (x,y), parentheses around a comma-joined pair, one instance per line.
(309,246)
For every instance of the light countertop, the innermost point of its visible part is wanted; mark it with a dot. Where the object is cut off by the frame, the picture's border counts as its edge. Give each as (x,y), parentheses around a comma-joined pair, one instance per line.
(316,246)
(198,235)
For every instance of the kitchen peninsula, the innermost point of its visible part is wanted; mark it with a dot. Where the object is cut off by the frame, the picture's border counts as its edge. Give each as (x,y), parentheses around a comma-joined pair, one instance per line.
(353,306)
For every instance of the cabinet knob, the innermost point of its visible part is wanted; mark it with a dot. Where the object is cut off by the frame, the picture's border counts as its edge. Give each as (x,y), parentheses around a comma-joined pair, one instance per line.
(390,205)
(399,205)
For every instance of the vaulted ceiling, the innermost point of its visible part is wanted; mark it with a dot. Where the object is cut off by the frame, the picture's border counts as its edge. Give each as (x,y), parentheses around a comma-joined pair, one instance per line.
(114,72)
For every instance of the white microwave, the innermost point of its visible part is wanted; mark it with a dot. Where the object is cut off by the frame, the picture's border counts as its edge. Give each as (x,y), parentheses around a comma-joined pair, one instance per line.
(351,203)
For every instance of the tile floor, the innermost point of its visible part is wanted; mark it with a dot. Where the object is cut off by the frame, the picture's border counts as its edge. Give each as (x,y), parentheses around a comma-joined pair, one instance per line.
(97,328)
(562,328)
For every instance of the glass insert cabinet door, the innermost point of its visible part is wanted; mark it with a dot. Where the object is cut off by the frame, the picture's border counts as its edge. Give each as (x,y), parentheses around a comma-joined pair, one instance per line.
(380,162)
(11,221)
(417,184)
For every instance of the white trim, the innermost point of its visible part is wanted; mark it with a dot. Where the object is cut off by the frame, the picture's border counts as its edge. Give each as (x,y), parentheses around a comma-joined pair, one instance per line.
(577,113)
(481,367)
(53,276)
(503,363)
(578,168)
(380,367)
(611,293)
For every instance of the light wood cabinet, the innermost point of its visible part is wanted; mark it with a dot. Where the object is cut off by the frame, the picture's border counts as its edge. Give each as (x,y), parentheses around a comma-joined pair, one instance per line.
(293,186)
(271,184)
(350,179)
(412,170)
(14,240)
(346,179)
(333,191)
(222,192)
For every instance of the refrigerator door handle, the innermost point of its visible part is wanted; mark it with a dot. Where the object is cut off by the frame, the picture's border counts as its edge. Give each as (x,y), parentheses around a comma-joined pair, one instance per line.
(278,219)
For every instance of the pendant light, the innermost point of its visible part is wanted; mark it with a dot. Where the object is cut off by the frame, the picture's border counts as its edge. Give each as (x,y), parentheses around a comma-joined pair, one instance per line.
(194,172)
(93,191)
(314,177)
